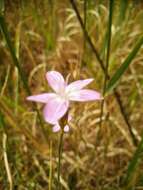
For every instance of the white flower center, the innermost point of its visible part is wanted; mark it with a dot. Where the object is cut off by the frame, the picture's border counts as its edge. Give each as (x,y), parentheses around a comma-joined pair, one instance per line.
(63,95)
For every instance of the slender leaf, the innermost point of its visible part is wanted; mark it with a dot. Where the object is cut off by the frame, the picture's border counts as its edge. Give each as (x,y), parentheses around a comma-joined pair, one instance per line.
(124,66)
(134,163)
(1,120)
(100,61)
(122,12)
(1,7)
(5,32)
(108,33)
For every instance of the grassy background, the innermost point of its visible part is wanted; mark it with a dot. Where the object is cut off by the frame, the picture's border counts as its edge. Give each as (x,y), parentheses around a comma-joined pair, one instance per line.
(100,39)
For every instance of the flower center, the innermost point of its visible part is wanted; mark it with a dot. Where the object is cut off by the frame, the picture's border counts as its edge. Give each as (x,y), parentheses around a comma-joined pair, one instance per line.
(63,95)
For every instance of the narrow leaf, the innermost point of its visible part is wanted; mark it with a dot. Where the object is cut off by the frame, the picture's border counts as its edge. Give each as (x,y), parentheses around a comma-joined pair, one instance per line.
(1,7)
(2,124)
(134,163)
(122,12)
(124,66)
(5,32)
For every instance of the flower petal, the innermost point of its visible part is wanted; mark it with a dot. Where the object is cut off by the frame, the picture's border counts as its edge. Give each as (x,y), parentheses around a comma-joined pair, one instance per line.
(78,85)
(56,81)
(43,98)
(85,95)
(55,109)
(56,128)
(66,128)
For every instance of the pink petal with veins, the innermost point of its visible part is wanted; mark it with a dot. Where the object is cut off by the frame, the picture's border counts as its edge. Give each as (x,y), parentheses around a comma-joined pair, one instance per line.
(55,109)
(78,85)
(56,81)
(42,98)
(85,95)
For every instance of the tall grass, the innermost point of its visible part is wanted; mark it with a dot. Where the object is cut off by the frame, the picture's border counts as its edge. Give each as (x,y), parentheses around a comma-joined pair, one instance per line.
(99,39)
(116,93)
(16,63)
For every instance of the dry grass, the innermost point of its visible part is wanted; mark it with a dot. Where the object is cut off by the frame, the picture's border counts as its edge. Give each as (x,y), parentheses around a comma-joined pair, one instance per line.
(47,36)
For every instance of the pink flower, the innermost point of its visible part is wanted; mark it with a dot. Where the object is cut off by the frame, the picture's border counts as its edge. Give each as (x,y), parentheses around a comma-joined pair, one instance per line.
(57,103)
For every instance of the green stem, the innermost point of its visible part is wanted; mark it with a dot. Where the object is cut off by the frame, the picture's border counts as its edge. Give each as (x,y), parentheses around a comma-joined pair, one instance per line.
(51,166)
(59,159)
(85,21)
(5,32)
(111,3)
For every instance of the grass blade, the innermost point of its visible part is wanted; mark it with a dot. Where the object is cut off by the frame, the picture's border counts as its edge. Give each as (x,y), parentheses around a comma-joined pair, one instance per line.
(1,7)
(12,52)
(5,32)
(109,33)
(124,66)
(93,48)
(2,123)
(86,35)
(122,12)
(111,4)
(134,163)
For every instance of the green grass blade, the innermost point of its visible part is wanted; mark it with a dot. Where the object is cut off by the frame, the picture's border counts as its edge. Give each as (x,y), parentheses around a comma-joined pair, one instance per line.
(1,7)
(111,5)
(122,12)
(17,52)
(2,123)
(5,32)
(134,163)
(109,33)
(124,66)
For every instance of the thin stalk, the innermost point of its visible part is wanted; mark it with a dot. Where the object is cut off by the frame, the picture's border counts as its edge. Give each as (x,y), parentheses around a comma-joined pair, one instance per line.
(51,166)
(17,53)
(12,51)
(86,35)
(59,159)
(6,35)
(6,162)
(133,165)
(100,61)
(111,3)
(85,20)
(135,141)
(5,81)
(84,39)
